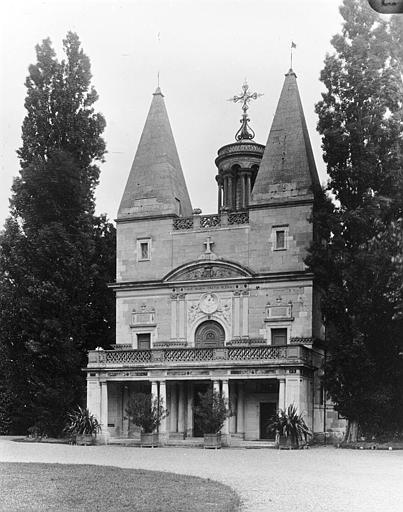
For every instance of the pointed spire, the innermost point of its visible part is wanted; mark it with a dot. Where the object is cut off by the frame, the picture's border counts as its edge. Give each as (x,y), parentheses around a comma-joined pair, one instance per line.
(287,170)
(156,185)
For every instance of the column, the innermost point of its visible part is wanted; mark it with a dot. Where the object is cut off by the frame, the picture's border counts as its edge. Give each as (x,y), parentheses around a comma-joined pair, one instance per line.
(243,198)
(154,388)
(281,394)
(173,412)
(219,195)
(225,395)
(247,198)
(94,397)
(189,416)
(104,408)
(245,313)
(230,193)
(225,202)
(236,317)
(174,332)
(240,409)
(163,397)
(216,386)
(182,318)
(181,408)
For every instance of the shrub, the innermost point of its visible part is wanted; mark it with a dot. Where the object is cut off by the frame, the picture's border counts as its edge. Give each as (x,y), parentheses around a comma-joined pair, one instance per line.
(290,424)
(146,411)
(211,412)
(81,421)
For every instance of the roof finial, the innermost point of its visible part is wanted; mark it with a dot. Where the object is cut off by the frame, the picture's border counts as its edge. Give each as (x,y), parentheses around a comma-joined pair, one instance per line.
(293,45)
(245,131)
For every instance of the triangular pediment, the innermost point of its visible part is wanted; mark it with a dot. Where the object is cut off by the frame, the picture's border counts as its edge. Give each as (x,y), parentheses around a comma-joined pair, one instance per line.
(207,270)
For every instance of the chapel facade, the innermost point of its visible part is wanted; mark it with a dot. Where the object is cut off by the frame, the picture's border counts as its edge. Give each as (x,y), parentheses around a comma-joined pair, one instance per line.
(222,300)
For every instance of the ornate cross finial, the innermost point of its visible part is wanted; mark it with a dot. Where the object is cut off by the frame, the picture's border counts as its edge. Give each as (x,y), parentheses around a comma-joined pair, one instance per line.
(245,132)
(245,97)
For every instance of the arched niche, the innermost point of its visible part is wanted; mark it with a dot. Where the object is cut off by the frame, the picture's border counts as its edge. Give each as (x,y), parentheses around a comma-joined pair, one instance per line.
(209,334)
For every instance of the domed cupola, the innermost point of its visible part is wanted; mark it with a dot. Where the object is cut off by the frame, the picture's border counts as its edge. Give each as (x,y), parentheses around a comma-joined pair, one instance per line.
(238,163)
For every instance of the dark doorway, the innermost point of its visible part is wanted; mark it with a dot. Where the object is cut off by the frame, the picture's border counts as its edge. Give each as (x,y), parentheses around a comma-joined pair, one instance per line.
(267,411)
(209,334)
(200,387)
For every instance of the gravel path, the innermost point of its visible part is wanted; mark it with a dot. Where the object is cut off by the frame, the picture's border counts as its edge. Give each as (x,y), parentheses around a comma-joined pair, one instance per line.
(315,480)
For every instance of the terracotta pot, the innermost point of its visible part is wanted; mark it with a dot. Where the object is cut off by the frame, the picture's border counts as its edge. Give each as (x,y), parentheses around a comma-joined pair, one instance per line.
(212,441)
(149,440)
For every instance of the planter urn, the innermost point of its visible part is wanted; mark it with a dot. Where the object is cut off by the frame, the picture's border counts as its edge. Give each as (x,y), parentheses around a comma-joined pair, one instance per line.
(85,439)
(149,440)
(212,441)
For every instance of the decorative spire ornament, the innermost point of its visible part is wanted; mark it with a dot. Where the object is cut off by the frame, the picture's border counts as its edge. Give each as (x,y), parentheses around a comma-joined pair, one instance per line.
(245,132)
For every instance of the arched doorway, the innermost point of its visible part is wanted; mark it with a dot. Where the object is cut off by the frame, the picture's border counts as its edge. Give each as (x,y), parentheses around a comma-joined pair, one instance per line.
(209,334)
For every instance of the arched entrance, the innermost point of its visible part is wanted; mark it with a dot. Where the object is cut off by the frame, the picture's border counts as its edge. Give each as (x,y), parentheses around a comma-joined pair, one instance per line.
(209,334)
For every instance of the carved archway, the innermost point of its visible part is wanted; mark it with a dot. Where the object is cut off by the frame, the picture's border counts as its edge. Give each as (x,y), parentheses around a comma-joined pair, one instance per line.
(209,334)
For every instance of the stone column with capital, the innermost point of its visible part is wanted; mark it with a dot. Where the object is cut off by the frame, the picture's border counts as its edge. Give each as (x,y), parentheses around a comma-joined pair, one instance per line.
(163,430)
(225,428)
(281,394)
(189,415)
(240,428)
(104,411)
(181,409)
(173,411)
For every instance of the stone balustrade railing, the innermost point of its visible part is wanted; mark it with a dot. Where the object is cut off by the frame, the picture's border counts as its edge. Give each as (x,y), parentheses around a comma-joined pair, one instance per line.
(211,221)
(172,356)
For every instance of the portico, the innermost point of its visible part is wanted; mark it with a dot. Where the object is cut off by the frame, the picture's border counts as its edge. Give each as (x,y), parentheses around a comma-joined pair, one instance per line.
(253,392)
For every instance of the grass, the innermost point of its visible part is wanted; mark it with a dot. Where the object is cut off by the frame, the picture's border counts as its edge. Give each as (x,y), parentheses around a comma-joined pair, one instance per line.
(86,488)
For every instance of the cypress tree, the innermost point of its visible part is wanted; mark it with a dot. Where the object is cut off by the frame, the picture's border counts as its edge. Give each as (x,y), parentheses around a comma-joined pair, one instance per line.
(56,255)
(356,255)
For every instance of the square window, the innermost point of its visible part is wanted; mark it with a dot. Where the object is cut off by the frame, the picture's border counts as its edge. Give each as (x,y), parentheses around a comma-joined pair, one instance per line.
(143,250)
(279,337)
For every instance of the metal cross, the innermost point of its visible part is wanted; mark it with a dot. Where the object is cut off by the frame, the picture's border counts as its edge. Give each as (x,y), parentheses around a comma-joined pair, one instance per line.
(245,97)
(208,243)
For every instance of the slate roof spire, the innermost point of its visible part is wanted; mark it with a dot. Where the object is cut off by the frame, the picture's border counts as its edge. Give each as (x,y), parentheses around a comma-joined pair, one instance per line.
(156,185)
(287,171)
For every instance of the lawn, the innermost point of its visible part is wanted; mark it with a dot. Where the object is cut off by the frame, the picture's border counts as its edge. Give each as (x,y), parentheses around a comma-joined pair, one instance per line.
(87,488)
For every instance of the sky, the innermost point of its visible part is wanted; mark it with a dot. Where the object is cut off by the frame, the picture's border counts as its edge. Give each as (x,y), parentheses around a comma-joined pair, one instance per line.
(202,49)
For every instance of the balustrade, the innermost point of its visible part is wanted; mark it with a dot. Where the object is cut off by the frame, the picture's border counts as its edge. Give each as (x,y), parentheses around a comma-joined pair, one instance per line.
(189,355)
(209,221)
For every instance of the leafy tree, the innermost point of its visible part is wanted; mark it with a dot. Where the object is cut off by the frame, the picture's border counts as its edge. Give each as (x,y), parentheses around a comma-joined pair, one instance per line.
(355,256)
(56,256)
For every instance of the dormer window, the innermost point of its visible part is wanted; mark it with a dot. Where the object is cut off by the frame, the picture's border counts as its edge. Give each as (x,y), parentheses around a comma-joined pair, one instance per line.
(144,249)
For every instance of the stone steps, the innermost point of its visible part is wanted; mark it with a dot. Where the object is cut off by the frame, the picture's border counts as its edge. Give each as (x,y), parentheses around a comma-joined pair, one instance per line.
(196,442)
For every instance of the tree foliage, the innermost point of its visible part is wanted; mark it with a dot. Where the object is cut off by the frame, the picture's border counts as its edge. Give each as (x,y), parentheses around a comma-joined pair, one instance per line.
(356,256)
(56,255)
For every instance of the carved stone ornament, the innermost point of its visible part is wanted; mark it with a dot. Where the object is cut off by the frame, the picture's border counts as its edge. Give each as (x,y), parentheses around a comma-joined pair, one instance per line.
(209,303)
(207,272)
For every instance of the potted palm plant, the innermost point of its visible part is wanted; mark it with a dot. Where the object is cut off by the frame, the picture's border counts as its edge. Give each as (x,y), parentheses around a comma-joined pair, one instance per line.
(82,426)
(210,414)
(147,411)
(290,428)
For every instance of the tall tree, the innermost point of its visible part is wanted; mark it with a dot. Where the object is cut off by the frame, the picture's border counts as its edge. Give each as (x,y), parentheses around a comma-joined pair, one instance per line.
(355,257)
(56,256)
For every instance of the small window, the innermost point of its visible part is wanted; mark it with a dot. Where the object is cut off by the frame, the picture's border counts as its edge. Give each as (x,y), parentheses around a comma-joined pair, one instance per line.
(279,337)
(279,238)
(143,250)
(144,341)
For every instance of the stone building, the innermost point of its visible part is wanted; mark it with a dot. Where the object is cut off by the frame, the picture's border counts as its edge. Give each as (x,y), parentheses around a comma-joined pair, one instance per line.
(221,300)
